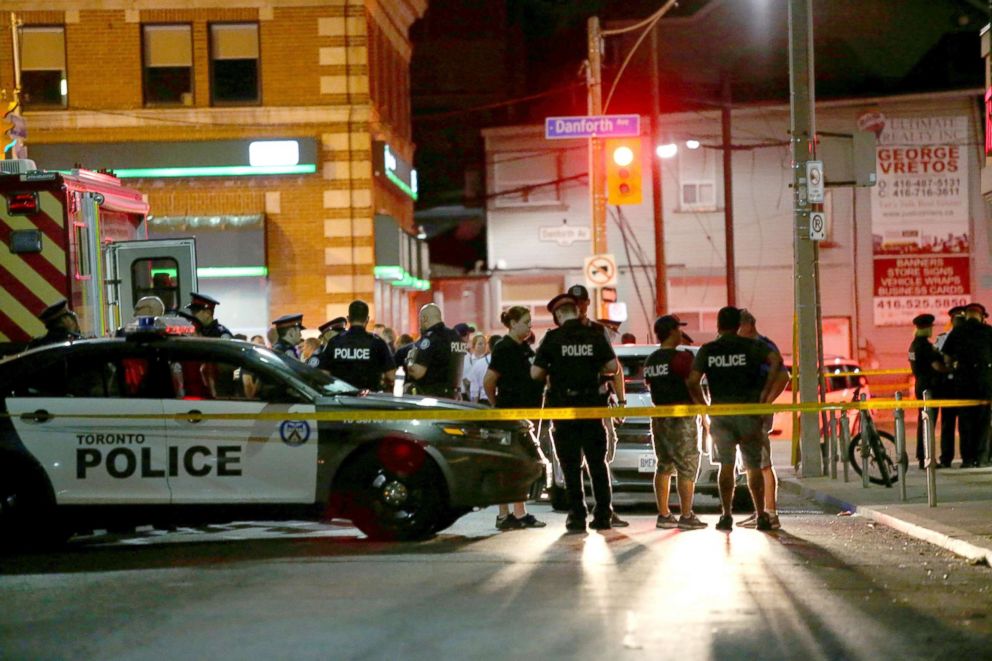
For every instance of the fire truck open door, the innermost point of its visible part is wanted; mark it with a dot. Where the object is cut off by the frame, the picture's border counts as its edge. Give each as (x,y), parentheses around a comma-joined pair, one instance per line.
(158,267)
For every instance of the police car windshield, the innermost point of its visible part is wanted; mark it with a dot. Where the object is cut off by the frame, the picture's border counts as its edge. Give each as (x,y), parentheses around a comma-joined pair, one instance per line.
(317,379)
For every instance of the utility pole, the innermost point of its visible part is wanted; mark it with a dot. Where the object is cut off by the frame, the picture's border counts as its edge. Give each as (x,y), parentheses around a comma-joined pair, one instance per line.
(660,273)
(801,84)
(597,194)
(728,191)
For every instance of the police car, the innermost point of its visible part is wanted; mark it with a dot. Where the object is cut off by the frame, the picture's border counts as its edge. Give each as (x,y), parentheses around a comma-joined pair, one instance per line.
(633,465)
(121,431)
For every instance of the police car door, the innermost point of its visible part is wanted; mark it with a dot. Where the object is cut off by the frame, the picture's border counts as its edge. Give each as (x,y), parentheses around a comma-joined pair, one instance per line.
(58,408)
(250,460)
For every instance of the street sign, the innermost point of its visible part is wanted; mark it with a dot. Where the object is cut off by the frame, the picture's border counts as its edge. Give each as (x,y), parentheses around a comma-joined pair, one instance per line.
(593,126)
(817,226)
(600,271)
(814,182)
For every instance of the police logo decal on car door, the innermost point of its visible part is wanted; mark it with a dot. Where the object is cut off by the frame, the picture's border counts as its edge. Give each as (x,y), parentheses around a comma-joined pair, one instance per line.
(294,432)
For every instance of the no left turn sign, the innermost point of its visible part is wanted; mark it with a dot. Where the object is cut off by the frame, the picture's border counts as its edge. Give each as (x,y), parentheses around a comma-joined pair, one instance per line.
(600,271)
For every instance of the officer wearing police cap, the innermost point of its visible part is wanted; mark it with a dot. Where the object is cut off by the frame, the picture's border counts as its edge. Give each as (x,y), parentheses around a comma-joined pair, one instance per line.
(572,359)
(614,386)
(357,356)
(202,307)
(289,329)
(61,324)
(968,351)
(927,364)
(435,363)
(328,331)
(947,389)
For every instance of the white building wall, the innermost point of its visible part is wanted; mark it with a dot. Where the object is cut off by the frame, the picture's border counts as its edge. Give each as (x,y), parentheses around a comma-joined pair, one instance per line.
(763,221)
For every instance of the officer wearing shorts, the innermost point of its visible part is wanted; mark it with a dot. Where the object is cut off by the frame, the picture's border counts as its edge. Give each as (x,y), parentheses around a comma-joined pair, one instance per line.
(357,356)
(732,366)
(675,440)
(572,358)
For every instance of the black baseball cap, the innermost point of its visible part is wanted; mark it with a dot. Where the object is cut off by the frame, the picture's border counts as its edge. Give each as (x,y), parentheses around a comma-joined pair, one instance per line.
(578,292)
(665,324)
(923,321)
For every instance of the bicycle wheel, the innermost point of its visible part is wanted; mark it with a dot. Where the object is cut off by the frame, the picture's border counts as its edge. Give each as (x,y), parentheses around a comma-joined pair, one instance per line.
(881,460)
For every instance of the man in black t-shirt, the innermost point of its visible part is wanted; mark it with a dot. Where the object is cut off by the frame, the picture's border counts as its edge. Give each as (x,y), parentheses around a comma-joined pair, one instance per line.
(675,440)
(733,369)
(573,358)
(435,363)
(358,357)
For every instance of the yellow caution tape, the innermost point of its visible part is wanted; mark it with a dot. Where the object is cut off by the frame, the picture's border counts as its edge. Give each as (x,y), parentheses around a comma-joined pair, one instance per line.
(584,413)
(826,372)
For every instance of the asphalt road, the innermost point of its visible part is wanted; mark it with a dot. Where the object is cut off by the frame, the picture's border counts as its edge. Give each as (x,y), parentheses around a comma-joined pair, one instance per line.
(824,587)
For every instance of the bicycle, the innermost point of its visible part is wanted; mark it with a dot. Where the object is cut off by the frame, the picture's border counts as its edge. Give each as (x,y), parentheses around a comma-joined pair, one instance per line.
(881,449)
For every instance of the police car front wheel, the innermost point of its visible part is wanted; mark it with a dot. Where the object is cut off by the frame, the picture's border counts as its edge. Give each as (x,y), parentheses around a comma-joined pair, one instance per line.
(393,492)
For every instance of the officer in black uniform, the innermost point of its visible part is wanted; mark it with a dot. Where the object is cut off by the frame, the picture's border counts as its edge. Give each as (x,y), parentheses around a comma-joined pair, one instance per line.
(968,351)
(359,357)
(289,329)
(572,358)
(947,389)
(614,389)
(434,365)
(927,364)
(202,307)
(328,331)
(733,368)
(61,323)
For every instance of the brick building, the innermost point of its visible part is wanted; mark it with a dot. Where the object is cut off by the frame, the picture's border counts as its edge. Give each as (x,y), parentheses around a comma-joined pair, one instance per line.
(172,96)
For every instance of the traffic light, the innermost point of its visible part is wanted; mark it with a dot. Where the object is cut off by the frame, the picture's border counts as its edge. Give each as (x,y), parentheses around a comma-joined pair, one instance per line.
(623,171)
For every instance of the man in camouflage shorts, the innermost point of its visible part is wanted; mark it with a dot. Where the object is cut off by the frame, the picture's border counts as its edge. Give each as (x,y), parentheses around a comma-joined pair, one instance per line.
(676,440)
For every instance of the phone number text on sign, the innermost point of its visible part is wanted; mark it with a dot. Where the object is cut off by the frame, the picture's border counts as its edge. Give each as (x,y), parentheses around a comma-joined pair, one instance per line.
(900,310)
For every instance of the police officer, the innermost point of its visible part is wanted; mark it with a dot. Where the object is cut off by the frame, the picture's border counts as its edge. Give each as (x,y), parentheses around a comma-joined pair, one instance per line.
(614,389)
(947,389)
(572,358)
(61,324)
(675,440)
(328,331)
(927,364)
(968,351)
(357,356)
(289,329)
(733,367)
(202,307)
(435,363)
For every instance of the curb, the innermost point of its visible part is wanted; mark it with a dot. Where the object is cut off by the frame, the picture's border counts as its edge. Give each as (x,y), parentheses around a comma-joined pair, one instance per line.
(973,553)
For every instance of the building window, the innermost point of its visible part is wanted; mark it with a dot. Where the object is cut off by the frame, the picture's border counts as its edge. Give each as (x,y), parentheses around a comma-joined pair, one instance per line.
(234,63)
(697,180)
(698,195)
(43,82)
(168,65)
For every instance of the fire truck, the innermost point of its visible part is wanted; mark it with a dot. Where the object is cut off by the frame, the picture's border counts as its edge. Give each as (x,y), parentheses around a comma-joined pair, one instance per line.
(82,236)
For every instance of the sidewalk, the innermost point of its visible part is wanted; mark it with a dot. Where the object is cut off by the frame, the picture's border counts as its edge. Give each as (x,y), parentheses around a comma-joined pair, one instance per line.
(961,522)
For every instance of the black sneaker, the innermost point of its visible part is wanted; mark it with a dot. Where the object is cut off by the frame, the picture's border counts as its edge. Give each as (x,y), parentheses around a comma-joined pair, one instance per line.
(508,522)
(726,523)
(600,522)
(617,522)
(666,521)
(764,522)
(528,521)
(691,522)
(575,523)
